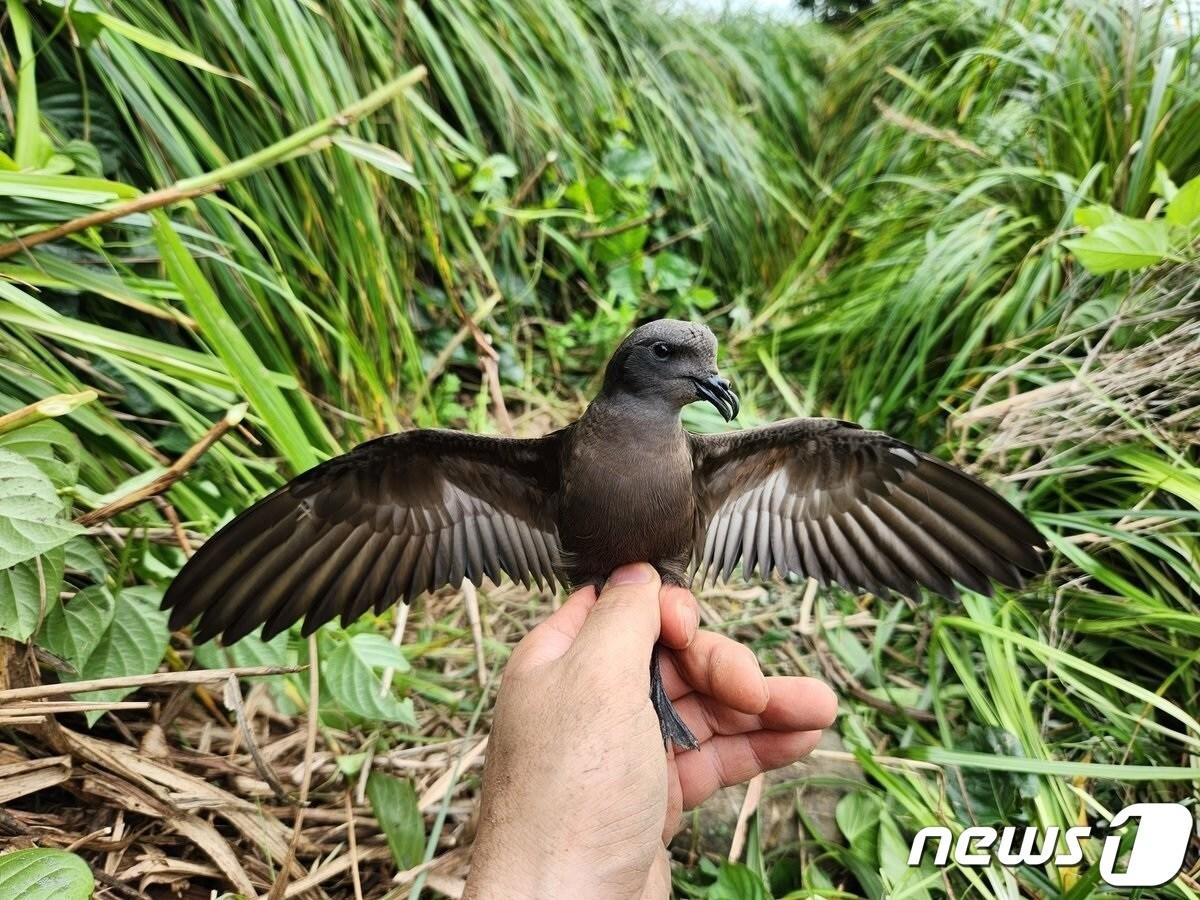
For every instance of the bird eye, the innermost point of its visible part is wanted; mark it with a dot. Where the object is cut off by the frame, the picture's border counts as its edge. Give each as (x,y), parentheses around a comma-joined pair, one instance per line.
(661,350)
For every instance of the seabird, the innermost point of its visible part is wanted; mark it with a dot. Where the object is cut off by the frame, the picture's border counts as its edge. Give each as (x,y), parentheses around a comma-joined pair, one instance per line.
(415,511)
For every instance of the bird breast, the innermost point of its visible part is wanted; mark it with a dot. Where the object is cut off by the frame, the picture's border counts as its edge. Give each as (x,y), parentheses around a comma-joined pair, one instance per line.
(626,501)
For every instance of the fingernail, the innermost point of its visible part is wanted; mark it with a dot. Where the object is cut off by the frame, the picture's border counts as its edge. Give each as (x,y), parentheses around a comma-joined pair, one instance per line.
(694,618)
(634,573)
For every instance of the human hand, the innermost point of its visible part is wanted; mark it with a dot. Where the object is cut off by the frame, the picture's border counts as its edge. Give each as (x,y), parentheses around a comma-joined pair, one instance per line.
(579,796)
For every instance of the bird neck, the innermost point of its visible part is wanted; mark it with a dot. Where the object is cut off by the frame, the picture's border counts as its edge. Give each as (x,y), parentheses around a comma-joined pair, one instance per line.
(644,415)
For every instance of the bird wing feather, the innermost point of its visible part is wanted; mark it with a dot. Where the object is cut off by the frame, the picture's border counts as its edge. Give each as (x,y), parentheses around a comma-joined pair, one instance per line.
(396,516)
(827,499)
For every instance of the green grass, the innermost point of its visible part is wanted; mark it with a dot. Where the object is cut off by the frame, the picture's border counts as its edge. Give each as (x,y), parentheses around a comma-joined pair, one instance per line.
(873,217)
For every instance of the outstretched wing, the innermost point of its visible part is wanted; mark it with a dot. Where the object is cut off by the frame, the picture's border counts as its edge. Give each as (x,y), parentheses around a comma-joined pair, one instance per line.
(396,516)
(827,499)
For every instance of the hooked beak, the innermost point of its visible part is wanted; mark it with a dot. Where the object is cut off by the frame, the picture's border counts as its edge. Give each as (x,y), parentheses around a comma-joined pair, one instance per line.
(716,390)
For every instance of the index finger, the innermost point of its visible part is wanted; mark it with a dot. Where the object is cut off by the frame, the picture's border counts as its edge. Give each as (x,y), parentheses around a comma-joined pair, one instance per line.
(553,637)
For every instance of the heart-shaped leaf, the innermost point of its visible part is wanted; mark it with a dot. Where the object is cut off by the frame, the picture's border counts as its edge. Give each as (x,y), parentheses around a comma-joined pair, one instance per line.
(31,513)
(1121,245)
(105,635)
(73,629)
(28,591)
(351,677)
(83,557)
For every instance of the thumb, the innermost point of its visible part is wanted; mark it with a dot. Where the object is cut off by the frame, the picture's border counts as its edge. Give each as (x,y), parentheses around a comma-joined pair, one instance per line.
(623,624)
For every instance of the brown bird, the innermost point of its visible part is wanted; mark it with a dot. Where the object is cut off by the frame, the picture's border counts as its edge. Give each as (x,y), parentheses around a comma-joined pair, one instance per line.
(415,511)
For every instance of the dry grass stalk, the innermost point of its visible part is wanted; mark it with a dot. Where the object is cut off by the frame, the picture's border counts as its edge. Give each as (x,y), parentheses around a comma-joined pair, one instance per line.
(31,776)
(749,804)
(1109,395)
(173,473)
(310,745)
(198,676)
(152,200)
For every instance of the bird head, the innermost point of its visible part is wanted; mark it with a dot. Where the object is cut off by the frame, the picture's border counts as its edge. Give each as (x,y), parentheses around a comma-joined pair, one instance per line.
(672,362)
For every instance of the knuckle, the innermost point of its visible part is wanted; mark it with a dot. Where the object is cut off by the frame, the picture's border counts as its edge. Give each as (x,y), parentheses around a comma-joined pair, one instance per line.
(726,658)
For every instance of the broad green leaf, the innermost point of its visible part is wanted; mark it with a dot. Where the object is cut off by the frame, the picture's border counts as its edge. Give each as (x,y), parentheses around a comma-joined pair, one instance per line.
(350,675)
(1184,209)
(22,601)
(49,446)
(1121,245)
(670,272)
(350,764)
(378,652)
(737,882)
(625,280)
(857,816)
(73,628)
(251,650)
(702,297)
(596,196)
(129,485)
(83,556)
(31,513)
(132,642)
(394,803)
(383,158)
(1095,216)
(44,875)
(82,14)
(632,165)
(620,246)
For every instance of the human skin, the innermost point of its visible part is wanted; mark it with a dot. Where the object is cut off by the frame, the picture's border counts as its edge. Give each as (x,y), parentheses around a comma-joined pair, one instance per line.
(579,795)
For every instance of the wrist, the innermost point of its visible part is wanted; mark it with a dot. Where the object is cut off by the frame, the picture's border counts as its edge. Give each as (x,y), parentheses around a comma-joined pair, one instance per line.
(519,860)
(512,863)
